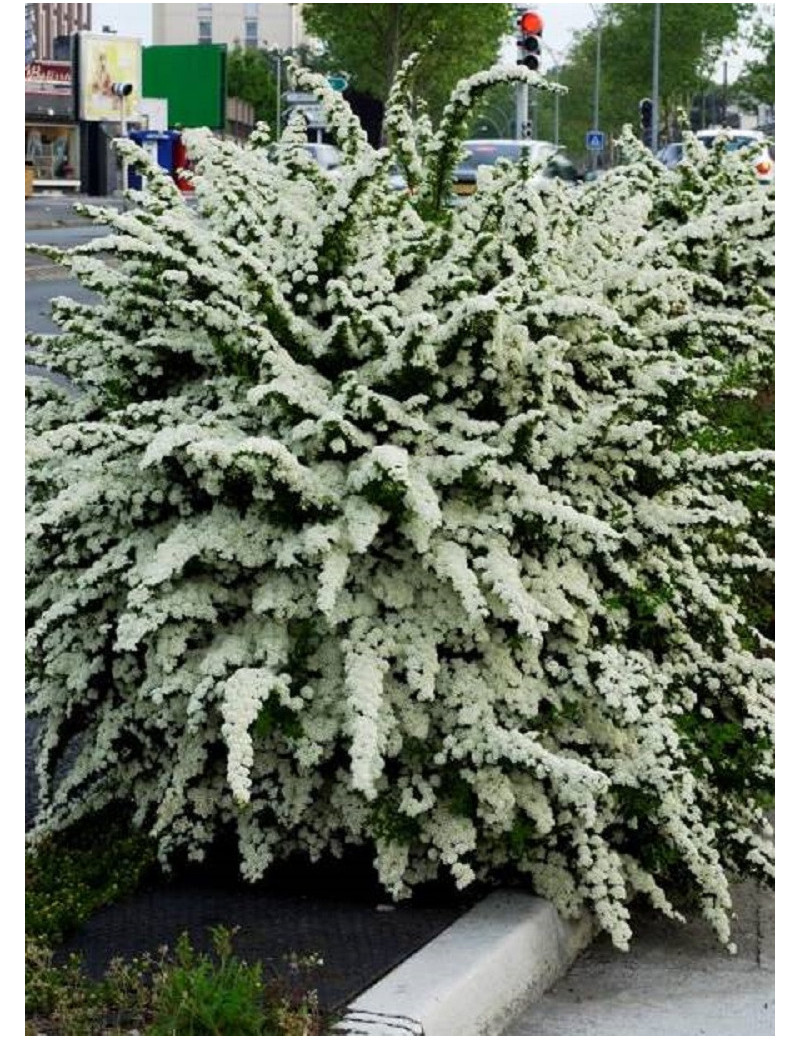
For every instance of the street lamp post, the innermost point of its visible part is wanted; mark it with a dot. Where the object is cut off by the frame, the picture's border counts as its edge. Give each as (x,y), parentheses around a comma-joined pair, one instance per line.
(123,91)
(656,71)
(557,67)
(278,97)
(123,133)
(596,112)
(725,92)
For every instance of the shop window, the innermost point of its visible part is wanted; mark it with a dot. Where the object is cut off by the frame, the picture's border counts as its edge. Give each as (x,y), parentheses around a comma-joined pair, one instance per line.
(53,150)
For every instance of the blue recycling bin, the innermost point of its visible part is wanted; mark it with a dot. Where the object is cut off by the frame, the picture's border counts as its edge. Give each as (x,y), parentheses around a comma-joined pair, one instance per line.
(161,146)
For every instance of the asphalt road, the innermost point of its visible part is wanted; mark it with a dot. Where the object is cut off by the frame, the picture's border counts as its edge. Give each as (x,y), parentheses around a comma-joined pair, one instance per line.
(65,237)
(44,281)
(38,296)
(38,300)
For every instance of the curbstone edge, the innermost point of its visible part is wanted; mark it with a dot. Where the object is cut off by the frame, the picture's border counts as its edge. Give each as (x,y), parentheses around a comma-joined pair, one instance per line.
(469,980)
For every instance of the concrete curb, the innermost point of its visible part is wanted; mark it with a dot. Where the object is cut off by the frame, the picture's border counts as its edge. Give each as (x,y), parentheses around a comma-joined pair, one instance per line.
(470,980)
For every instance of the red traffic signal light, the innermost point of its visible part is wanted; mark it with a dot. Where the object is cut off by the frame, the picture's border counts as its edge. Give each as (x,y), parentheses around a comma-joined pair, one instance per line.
(530,29)
(530,23)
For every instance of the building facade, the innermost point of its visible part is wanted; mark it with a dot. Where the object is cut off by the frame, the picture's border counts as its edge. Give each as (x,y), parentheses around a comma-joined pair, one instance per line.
(52,136)
(48,25)
(248,25)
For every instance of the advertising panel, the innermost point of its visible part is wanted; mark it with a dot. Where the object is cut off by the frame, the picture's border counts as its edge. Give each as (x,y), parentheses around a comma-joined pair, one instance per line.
(192,78)
(105,59)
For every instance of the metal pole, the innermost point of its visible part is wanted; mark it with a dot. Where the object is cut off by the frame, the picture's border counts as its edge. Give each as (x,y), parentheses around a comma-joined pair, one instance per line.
(523,130)
(556,127)
(278,102)
(656,70)
(596,114)
(123,131)
(725,92)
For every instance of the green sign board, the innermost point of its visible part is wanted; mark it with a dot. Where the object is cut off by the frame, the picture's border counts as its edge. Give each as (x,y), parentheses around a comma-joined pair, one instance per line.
(192,77)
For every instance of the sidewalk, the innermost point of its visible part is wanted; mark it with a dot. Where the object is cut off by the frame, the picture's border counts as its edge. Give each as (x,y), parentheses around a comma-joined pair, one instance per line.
(46,211)
(676,980)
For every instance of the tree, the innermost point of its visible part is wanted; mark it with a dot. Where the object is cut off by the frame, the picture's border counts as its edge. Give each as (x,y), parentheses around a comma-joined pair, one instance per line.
(756,84)
(692,38)
(251,77)
(370,42)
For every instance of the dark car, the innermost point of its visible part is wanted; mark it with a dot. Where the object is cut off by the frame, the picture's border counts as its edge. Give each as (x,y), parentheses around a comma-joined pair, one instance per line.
(485,152)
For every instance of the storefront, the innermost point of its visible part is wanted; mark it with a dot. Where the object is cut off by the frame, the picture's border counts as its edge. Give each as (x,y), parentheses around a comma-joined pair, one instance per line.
(52,135)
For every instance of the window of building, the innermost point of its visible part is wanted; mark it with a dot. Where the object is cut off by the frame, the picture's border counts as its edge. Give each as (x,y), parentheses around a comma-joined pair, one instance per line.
(204,23)
(251,32)
(251,10)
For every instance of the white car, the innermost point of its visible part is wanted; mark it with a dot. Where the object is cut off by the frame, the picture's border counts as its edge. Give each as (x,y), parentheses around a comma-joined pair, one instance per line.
(764,163)
(327,156)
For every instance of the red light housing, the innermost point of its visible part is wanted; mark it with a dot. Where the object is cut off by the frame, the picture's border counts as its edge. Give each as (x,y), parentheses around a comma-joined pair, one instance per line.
(531,22)
(764,166)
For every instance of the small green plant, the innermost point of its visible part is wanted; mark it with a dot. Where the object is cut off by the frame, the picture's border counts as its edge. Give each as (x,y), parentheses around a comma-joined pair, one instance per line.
(62,1000)
(188,993)
(69,876)
(210,996)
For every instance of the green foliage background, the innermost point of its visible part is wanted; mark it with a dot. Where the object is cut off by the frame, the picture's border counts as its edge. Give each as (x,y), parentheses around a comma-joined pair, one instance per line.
(370,42)
(692,40)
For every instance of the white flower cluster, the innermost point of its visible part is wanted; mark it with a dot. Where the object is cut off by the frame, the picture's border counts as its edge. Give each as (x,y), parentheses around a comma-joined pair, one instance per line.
(382,523)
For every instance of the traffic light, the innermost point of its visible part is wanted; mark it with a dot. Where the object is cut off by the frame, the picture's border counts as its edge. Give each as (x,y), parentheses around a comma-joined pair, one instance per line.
(529,26)
(646,113)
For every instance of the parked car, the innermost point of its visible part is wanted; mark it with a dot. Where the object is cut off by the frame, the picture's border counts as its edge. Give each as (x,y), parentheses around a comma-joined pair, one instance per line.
(486,152)
(671,154)
(764,163)
(327,156)
(397,180)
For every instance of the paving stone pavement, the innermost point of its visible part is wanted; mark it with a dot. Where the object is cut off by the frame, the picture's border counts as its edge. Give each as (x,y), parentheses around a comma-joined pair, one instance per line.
(676,980)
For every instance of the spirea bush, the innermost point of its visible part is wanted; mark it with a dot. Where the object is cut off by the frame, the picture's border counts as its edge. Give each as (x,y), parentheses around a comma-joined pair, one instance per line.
(381,522)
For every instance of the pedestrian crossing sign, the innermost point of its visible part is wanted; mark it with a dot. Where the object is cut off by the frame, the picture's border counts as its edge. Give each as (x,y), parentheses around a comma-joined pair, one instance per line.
(595,140)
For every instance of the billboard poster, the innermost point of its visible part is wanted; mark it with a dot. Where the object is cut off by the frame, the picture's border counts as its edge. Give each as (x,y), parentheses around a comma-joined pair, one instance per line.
(105,59)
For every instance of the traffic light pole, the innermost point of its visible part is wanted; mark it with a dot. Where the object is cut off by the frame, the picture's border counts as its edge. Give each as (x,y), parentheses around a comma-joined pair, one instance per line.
(529,31)
(523,101)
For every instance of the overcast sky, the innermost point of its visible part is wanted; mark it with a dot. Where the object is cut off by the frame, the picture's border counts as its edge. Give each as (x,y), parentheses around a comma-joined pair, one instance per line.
(559,22)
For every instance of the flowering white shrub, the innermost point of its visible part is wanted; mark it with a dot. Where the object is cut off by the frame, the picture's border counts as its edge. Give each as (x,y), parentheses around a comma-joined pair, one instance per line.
(378,522)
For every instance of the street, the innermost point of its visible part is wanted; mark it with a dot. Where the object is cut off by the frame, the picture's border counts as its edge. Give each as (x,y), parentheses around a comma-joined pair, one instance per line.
(45,280)
(39,293)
